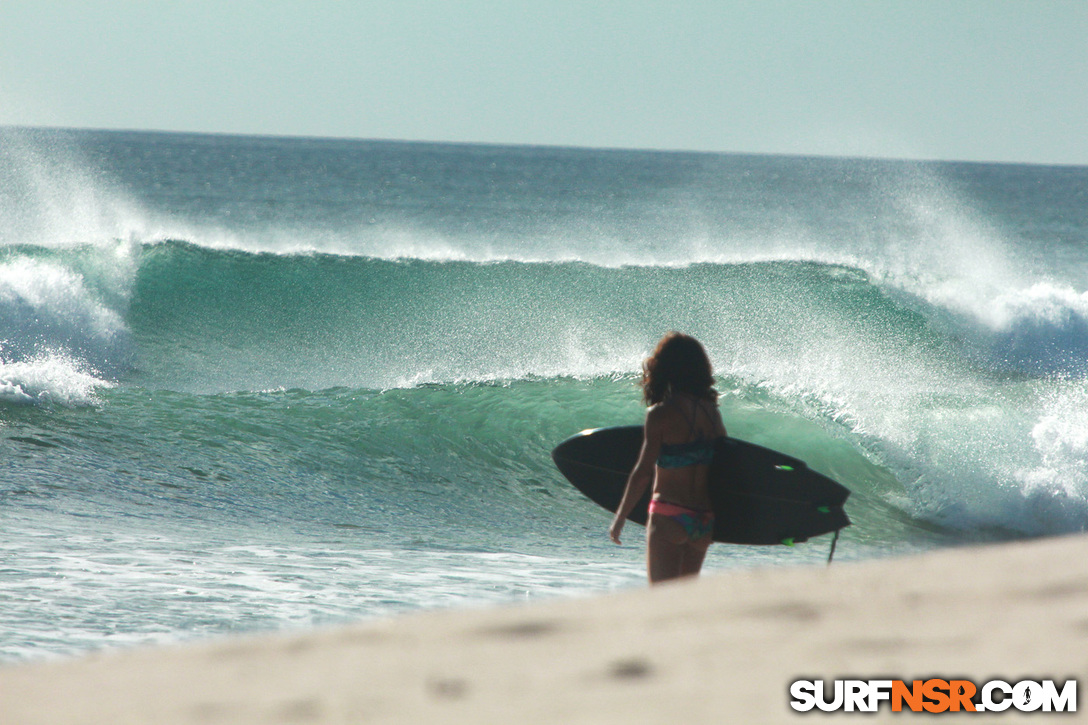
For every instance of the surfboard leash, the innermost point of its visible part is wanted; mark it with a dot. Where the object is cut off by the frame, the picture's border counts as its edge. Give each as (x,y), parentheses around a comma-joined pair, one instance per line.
(834,541)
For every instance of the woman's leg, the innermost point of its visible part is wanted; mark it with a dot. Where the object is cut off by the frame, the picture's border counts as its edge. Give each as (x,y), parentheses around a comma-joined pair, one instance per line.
(666,544)
(670,551)
(694,554)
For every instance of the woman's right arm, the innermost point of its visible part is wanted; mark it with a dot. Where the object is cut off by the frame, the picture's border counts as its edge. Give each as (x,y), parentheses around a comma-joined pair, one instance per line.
(642,474)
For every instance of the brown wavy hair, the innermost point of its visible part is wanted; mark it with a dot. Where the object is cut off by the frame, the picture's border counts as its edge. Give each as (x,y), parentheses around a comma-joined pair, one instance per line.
(679,364)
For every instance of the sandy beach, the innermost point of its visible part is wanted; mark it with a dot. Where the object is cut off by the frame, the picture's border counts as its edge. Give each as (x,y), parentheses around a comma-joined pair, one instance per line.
(722,649)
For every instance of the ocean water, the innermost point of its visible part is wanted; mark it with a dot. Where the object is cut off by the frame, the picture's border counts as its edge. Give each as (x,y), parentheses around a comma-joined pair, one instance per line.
(251,384)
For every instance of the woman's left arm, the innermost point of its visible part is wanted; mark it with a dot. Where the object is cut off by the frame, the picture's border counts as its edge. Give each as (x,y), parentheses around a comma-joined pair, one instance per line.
(722,432)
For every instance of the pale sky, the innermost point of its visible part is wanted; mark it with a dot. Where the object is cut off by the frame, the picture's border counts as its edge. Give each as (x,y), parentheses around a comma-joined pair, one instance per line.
(986,80)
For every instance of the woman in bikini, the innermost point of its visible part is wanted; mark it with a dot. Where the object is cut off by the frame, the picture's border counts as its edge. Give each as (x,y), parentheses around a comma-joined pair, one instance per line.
(682,423)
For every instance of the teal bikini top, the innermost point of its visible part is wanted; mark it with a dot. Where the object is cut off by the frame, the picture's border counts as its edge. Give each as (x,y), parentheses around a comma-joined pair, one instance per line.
(682,455)
(699,452)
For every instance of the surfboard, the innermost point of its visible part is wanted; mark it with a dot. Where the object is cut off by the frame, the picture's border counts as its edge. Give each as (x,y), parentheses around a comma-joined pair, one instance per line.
(759,496)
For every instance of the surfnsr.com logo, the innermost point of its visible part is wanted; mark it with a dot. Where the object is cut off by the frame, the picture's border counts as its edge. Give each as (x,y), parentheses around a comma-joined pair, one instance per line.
(934,695)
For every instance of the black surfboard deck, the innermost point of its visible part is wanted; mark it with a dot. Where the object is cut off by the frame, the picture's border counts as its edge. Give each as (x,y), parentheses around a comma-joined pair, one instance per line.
(759,496)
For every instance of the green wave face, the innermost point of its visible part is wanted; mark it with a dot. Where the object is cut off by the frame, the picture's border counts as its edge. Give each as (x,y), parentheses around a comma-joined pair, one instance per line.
(499,361)
(255,321)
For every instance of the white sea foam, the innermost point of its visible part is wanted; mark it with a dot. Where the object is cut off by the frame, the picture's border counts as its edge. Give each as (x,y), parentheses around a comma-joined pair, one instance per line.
(50,197)
(1060,437)
(1032,327)
(1043,328)
(59,342)
(47,306)
(49,378)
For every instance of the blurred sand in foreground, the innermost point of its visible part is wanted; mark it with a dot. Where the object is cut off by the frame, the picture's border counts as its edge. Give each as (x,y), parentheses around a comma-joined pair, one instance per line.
(721,649)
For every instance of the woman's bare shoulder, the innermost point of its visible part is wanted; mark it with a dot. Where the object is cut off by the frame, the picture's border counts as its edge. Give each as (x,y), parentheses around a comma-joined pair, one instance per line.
(660,411)
(660,416)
